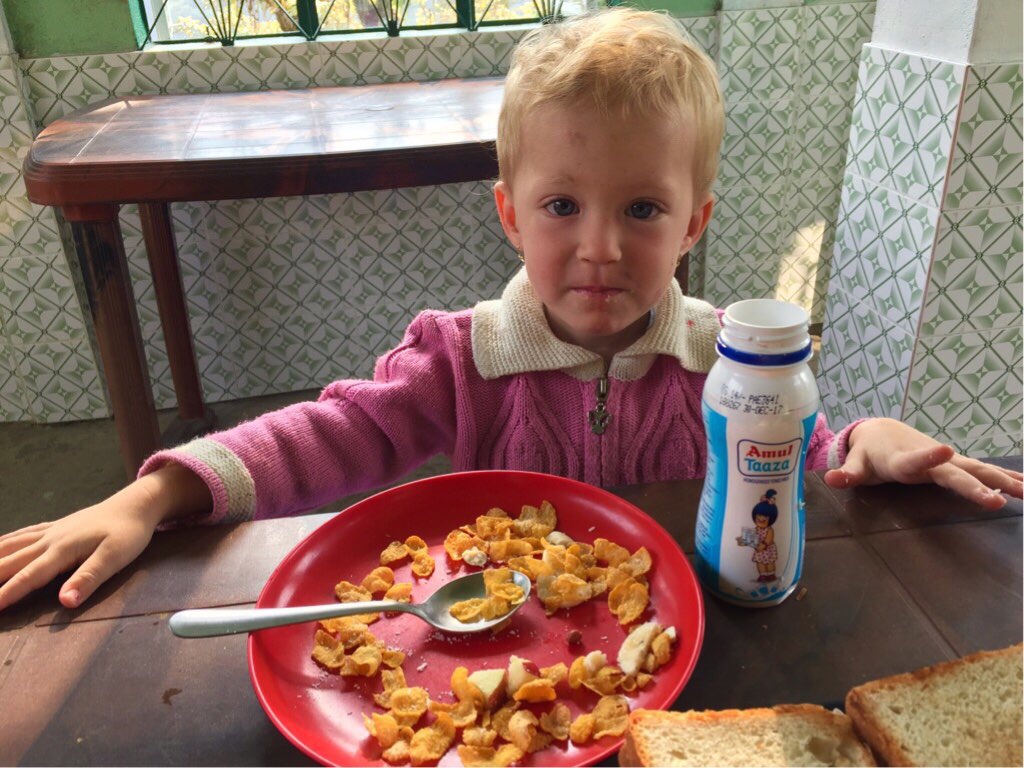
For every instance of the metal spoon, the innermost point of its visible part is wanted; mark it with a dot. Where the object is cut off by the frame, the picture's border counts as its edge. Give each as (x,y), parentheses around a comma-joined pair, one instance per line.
(435,610)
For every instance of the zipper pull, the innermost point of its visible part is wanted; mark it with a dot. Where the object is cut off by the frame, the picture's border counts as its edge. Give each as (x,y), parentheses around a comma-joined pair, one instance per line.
(599,417)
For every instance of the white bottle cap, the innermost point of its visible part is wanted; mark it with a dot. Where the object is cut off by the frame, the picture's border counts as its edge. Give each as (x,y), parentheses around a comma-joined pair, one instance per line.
(765,332)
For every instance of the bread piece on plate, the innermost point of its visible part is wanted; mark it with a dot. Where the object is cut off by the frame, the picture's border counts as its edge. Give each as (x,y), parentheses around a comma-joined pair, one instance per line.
(961,712)
(788,734)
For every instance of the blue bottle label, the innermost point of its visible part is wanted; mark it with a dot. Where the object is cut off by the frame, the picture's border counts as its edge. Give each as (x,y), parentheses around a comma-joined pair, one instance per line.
(750,523)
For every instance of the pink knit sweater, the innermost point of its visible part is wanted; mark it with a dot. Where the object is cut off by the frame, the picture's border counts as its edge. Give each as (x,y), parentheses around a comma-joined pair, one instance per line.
(491,388)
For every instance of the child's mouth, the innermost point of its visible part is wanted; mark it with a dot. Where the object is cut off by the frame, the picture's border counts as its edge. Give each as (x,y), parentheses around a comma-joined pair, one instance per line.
(597,291)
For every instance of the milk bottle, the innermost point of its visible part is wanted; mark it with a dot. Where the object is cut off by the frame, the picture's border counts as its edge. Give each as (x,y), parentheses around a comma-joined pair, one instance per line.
(760,403)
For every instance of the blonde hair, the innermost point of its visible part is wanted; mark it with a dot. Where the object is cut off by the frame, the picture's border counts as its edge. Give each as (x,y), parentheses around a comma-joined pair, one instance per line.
(625,62)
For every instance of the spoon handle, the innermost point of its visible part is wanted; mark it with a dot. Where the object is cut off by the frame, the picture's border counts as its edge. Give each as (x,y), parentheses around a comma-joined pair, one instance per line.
(211,622)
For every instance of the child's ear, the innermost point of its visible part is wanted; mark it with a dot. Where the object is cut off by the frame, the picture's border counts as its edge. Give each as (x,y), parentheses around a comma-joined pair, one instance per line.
(699,220)
(507,213)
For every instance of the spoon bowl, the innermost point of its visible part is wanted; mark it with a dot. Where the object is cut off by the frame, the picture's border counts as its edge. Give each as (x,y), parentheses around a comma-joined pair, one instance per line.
(435,610)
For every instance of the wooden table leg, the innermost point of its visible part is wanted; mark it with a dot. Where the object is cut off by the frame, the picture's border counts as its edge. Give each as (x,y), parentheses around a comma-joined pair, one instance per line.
(194,417)
(100,250)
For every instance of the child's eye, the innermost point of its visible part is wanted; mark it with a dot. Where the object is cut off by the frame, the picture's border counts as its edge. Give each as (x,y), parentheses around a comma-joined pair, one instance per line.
(562,207)
(642,210)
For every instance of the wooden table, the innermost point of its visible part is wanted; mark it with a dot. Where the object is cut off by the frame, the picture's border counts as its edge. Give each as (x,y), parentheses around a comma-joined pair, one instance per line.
(896,578)
(154,150)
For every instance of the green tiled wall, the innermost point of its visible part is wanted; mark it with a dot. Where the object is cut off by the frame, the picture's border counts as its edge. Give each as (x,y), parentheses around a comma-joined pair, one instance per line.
(789,76)
(924,307)
(289,293)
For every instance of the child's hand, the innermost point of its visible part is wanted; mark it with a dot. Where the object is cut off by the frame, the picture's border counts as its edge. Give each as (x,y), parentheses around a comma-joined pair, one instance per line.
(100,540)
(886,450)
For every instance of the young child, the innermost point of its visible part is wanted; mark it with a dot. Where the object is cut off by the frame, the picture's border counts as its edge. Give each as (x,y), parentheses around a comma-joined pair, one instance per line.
(591,364)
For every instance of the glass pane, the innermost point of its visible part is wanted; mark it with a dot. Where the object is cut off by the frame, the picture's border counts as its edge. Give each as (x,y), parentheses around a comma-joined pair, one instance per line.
(197,19)
(360,14)
(522,10)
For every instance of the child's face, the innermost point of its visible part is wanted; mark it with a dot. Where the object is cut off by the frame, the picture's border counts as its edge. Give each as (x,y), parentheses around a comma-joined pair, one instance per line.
(761,521)
(602,210)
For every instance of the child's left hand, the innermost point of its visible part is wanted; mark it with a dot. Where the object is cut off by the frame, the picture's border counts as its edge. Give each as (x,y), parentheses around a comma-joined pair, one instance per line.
(886,450)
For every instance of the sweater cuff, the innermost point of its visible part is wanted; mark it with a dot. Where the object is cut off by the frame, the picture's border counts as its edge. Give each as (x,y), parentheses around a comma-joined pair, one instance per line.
(841,446)
(230,484)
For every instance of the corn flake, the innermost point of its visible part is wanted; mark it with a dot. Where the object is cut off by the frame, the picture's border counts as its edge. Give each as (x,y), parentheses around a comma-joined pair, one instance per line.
(409,702)
(422,563)
(557,721)
(628,601)
(609,552)
(397,753)
(415,544)
(379,580)
(462,713)
(477,736)
(611,716)
(582,729)
(400,592)
(327,651)
(430,743)
(384,728)
(364,662)
(522,727)
(395,552)
(501,718)
(536,691)
(458,541)
(474,756)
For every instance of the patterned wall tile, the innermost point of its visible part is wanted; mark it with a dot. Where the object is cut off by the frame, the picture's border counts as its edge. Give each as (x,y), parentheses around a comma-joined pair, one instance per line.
(758,53)
(834,385)
(342,273)
(820,134)
(975,281)
(755,147)
(995,443)
(13,401)
(902,124)
(61,381)
(698,268)
(864,360)
(704,31)
(966,385)
(883,251)
(15,123)
(38,302)
(747,222)
(831,41)
(987,159)
(740,278)
(59,85)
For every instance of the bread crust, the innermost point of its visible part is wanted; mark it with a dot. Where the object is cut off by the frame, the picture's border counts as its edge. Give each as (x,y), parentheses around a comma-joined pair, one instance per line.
(872,729)
(635,750)
(628,755)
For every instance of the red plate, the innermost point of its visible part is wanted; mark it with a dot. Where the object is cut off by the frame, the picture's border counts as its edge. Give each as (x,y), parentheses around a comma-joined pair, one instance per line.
(321,713)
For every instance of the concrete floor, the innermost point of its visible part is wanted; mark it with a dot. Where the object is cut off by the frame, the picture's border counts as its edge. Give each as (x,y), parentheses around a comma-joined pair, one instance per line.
(51,470)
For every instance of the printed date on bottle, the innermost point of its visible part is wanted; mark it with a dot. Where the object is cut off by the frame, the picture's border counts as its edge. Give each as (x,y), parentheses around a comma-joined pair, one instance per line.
(758,405)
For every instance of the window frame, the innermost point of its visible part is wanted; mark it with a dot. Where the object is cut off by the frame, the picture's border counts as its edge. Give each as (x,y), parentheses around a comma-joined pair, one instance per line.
(307,21)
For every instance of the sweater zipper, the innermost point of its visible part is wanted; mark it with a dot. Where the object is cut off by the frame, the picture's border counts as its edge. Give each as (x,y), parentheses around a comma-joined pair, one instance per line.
(599,416)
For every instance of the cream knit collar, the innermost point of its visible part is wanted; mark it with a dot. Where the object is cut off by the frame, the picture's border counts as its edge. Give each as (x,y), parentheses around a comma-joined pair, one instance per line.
(511,335)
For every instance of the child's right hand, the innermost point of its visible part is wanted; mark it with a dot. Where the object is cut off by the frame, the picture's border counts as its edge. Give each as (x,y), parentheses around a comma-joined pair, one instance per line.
(100,540)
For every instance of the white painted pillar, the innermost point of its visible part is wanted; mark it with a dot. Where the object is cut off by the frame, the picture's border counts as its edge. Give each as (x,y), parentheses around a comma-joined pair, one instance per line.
(923,317)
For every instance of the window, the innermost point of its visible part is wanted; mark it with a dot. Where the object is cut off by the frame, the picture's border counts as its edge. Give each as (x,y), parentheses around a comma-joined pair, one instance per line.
(224,21)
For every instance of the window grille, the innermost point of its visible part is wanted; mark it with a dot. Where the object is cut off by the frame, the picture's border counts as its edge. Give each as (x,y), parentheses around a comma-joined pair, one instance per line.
(225,21)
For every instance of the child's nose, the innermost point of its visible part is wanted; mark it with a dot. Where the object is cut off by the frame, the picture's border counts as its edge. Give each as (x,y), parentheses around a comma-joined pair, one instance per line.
(599,242)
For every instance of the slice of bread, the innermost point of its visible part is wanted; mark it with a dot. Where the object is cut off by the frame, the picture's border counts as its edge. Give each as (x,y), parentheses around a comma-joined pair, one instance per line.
(788,734)
(961,712)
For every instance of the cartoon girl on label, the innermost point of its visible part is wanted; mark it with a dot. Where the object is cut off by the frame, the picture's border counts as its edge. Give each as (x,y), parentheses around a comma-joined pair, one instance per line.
(765,513)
